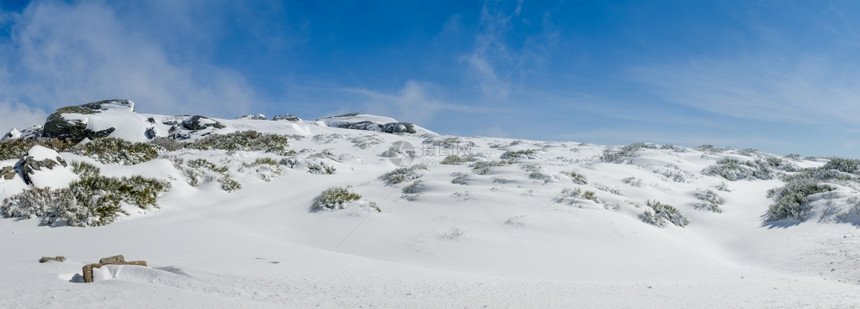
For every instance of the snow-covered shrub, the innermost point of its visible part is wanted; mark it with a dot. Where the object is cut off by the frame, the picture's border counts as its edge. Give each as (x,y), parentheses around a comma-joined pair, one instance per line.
(792,201)
(537,175)
(519,154)
(657,214)
(334,198)
(16,148)
(455,160)
(242,141)
(624,154)
(850,166)
(632,181)
(321,167)
(402,174)
(167,144)
(414,190)
(531,167)
(734,169)
(483,167)
(453,234)
(573,196)
(111,150)
(84,169)
(266,168)
(460,178)
(577,178)
(325,154)
(90,201)
(711,148)
(198,170)
(709,200)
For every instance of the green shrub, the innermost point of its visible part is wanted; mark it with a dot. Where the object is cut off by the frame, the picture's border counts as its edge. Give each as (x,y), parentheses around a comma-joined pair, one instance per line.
(572,196)
(709,200)
(657,214)
(455,160)
(460,178)
(242,141)
(519,154)
(334,198)
(167,143)
(202,169)
(321,168)
(792,200)
(84,169)
(734,169)
(624,154)
(111,150)
(90,201)
(15,148)
(850,166)
(402,174)
(577,178)
(483,167)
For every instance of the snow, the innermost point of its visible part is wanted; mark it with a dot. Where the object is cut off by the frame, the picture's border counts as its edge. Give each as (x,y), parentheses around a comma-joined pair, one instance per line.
(499,241)
(57,177)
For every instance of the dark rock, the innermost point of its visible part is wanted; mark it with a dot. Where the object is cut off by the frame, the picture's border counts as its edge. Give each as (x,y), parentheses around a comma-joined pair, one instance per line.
(73,129)
(8,172)
(392,127)
(150,133)
(398,127)
(150,120)
(287,117)
(198,122)
(103,104)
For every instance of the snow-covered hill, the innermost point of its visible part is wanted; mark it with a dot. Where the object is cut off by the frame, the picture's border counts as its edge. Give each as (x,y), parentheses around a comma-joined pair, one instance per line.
(365,211)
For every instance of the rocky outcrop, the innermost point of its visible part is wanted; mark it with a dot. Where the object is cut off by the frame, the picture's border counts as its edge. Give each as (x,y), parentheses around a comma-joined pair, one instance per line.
(253,117)
(29,165)
(393,127)
(76,130)
(286,117)
(198,122)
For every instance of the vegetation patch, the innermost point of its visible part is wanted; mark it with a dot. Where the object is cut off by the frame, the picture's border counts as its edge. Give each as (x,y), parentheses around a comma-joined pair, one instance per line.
(624,154)
(111,150)
(658,214)
(792,201)
(483,167)
(336,198)
(242,141)
(733,169)
(709,200)
(577,178)
(403,174)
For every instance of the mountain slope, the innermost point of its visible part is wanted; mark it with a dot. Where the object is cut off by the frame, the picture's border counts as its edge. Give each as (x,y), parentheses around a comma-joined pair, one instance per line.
(442,221)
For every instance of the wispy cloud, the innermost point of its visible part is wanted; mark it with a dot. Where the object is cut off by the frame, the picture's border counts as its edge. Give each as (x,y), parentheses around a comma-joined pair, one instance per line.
(62,54)
(492,63)
(414,102)
(764,86)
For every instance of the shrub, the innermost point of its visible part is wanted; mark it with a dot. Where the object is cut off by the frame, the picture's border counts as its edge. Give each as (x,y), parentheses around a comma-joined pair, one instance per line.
(792,200)
(242,141)
(734,169)
(166,143)
(633,181)
(84,169)
(657,214)
(14,148)
(202,169)
(334,198)
(321,168)
(413,191)
(460,178)
(483,167)
(90,201)
(455,160)
(519,154)
(402,174)
(572,196)
(111,150)
(624,154)
(709,200)
(577,178)
(850,166)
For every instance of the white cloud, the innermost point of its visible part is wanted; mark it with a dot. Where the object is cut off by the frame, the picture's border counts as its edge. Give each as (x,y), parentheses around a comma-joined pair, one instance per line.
(64,54)
(414,102)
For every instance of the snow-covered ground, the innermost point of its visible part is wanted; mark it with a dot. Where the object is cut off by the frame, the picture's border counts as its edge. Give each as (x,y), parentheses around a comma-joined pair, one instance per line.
(510,236)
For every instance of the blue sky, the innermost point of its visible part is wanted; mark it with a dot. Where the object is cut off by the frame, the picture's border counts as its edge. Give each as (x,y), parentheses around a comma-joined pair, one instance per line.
(781,76)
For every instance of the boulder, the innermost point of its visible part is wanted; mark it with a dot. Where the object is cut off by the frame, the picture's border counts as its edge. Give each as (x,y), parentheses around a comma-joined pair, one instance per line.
(112,260)
(43,167)
(253,117)
(286,117)
(58,258)
(76,130)
(198,122)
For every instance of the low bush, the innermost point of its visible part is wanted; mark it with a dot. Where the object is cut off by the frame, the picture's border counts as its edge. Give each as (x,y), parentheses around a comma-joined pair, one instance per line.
(242,141)
(483,167)
(519,154)
(734,169)
(334,198)
(577,178)
(402,174)
(90,201)
(111,150)
(792,201)
(709,200)
(624,154)
(657,214)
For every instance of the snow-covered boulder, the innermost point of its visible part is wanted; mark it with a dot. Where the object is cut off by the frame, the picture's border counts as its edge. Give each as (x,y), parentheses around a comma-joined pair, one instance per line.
(44,168)
(286,117)
(253,117)
(12,134)
(198,122)
(366,122)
